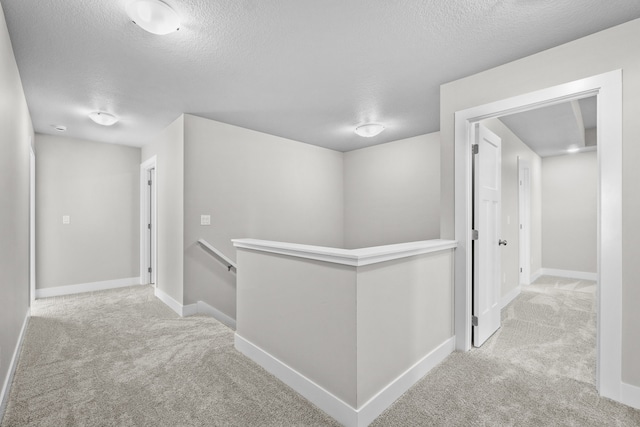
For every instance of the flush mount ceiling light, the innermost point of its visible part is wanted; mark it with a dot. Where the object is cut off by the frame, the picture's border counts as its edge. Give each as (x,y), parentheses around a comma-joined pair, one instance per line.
(59,128)
(369,130)
(573,150)
(153,16)
(102,118)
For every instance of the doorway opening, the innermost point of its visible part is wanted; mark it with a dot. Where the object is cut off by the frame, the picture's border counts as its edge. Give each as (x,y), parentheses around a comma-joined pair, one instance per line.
(148,221)
(608,90)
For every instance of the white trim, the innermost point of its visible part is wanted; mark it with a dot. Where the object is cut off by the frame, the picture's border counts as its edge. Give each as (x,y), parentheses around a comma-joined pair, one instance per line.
(145,167)
(392,392)
(181,310)
(352,257)
(6,386)
(608,89)
(334,406)
(86,287)
(204,308)
(630,395)
(569,274)
(510,296)
(535,276)
(32,222)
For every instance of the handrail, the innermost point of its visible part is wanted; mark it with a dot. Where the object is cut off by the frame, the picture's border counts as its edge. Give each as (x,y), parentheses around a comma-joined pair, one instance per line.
(219,254)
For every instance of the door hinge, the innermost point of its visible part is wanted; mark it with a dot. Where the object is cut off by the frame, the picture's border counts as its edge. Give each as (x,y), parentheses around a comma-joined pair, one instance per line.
(149,182)
(474,320)
(520,270)
(149,269)
(149,226)
(474,234)
(475,149)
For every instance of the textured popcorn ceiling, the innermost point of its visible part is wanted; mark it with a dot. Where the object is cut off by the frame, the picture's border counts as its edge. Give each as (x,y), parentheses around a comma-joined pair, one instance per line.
(309,70)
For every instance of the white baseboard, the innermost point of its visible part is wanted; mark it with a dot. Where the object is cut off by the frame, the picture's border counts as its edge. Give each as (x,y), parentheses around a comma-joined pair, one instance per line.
(204,308)
(200,307)
(535,276)
(630,395)
(173,304)
(510,296)
(381,401)
(334,406)
(569,274)
(86,287)
(6,386)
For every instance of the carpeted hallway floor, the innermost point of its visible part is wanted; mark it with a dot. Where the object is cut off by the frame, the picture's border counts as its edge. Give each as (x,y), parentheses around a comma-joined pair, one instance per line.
(121,358)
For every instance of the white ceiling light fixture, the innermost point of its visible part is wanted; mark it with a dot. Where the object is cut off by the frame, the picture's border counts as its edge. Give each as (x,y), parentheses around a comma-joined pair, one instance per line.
(59,128)
(153,16)
(573,150)
(102,118)
(369,130)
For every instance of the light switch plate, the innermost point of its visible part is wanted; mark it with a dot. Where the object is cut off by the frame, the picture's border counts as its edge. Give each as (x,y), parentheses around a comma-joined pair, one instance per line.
(205,219)
(66,219)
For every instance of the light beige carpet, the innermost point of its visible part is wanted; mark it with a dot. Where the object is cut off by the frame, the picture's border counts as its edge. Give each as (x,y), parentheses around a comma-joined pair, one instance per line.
(121,358)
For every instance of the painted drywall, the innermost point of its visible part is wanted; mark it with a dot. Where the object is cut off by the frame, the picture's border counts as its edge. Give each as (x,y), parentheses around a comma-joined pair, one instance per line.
(614,48)
(513,149)
(252,185)
(570,212)
(312,306)
(168,147)
(16,133)
(392,192)
(97,186)
(416,296)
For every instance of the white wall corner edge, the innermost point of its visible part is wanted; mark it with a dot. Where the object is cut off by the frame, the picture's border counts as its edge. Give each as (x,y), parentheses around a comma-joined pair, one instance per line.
(200,307)
(630,395)
(510,296)
(334,406)
(87,287)
(6,386)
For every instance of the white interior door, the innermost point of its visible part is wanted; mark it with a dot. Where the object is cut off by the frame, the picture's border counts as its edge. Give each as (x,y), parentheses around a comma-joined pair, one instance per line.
(524,214)
(486,222)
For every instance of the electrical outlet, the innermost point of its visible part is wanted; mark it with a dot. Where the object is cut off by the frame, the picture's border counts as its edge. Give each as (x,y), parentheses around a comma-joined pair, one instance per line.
(66,219)
(205,219)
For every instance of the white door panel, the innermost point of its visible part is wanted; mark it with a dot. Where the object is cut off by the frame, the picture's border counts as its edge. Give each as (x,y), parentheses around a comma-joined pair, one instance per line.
(486,254)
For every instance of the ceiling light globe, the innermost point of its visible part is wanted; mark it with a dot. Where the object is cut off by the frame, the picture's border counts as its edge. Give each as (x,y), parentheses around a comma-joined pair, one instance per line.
(102,118)
(369,130)
(153,16)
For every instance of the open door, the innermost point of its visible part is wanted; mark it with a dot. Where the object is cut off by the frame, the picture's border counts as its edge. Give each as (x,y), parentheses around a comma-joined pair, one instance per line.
(486,229)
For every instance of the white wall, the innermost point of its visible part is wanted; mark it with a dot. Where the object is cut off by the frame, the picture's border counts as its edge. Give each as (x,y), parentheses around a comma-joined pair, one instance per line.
(16,132)
(392,192)
(97,185)
(569,212)
(253,185)
(168,146)
(512,149)
(611,49)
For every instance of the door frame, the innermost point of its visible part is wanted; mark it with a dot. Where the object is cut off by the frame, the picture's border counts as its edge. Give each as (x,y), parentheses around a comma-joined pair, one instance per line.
(524,220)
(145,207)
(608,89)
(32,222)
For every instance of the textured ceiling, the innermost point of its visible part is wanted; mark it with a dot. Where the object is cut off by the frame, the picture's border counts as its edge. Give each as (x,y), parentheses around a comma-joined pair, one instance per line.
(307,70)
(550,131)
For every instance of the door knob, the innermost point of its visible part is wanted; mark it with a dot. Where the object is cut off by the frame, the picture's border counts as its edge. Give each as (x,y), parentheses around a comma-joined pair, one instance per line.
(502,242)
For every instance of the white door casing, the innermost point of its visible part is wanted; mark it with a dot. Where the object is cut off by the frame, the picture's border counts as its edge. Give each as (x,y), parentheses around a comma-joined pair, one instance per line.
(148,215)
(487,168)
(608,89)
(524,218)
